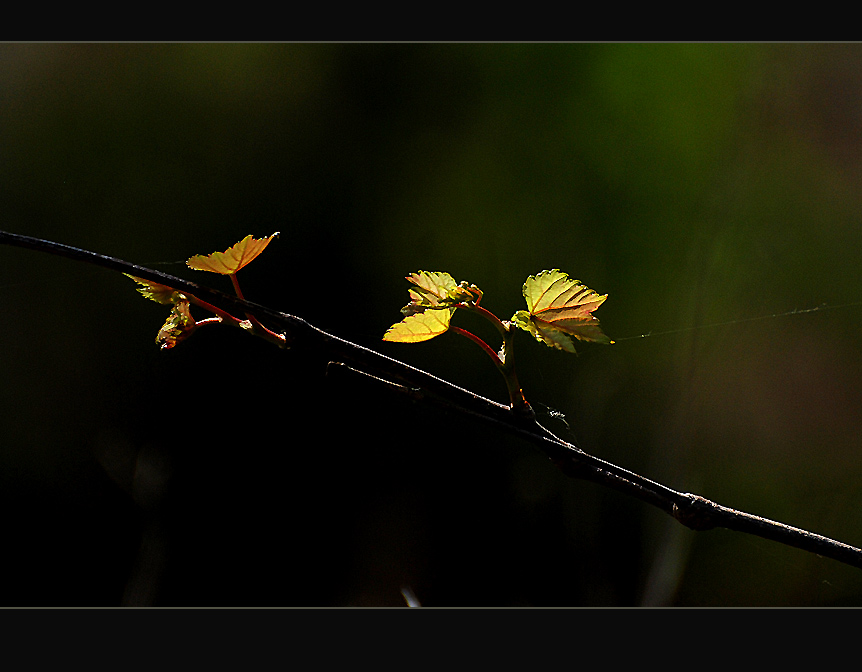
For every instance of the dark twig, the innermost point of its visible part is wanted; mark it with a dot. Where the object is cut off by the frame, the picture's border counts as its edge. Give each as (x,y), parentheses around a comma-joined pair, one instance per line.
(691,510)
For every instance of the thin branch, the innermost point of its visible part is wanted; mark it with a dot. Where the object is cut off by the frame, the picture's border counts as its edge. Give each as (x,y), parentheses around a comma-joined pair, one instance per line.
(691,510)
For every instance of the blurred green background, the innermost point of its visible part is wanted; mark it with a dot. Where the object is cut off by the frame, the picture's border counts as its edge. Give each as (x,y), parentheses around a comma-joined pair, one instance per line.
(695,184)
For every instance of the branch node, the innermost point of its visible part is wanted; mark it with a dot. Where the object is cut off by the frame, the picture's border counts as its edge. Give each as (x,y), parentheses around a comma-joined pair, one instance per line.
(695,513)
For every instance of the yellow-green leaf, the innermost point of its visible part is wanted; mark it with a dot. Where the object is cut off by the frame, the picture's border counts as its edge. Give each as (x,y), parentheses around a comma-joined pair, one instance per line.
(233,258)
(420,326)
(433,300)
(178,327)
(560,308)
(155,291)
(432,290)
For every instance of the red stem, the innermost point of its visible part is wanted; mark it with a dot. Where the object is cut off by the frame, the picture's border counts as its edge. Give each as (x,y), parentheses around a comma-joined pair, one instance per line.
(259,329)
(478,341)
(236,286)
(213,309)
(488,315)
(269,335)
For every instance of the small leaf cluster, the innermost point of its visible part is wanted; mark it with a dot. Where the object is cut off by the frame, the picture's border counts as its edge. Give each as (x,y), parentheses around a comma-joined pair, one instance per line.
(433,301)
(180,323)
(558,308)
(559,311)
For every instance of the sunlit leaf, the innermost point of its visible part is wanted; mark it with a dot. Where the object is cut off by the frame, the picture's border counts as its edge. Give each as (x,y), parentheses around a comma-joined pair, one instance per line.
(178,327)
(431,290)
(433,300)
(155,291)
(560,308)
(233,258)
(420,326)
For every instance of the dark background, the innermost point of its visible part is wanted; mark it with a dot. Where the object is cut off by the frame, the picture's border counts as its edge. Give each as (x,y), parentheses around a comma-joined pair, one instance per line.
(694,184)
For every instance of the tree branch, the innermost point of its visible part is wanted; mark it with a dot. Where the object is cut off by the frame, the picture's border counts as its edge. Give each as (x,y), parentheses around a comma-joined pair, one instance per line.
(691,510)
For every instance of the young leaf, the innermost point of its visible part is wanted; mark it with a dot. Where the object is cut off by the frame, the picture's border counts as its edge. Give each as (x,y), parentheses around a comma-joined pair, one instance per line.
(233,258)
(178,327)
(432,291)
(560,308)
(155,291)
(433,301)
(420,326)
